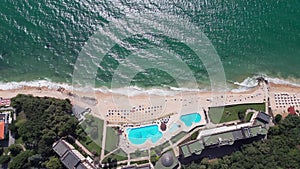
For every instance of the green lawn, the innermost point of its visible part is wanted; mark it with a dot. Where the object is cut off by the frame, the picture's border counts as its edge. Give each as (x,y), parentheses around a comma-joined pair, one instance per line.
(91,145)
(230,113)
(249,115)
(119,155)
(94,128)
(138,154)
(112,140)
(140,162)
(177,137)
(158,149)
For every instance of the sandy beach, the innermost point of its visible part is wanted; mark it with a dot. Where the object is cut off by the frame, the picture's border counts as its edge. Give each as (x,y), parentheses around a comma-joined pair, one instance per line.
(144,109)
(116,108)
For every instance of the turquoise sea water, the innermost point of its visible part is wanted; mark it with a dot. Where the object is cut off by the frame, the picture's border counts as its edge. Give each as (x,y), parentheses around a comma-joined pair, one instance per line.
(42,39)
(189,119)
(142,134)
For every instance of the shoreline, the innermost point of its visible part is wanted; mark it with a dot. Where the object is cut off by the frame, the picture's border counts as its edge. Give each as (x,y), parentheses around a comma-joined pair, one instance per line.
(119,110)
(246,84)
(101,102)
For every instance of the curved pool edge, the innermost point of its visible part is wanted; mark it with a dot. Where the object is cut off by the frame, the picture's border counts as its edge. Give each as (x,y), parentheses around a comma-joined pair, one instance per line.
(140,135)
(190,119)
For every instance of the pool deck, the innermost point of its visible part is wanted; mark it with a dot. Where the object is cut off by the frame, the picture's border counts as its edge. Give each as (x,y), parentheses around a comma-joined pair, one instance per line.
(143,110)
(138,111)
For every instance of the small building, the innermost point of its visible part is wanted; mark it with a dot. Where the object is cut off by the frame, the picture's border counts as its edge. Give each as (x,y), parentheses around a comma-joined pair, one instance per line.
(61,147)
(70,157)
(217,140)
(190,148)
(80,112)
(85,165)
(166,161)
(4,102)
(263,117)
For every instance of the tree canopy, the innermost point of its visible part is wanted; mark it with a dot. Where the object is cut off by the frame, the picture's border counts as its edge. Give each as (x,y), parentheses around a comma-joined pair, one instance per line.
(46,120)
(280,150)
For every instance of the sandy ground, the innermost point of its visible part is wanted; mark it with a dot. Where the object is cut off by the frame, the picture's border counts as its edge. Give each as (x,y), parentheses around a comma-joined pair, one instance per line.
(120,108)
(145,109)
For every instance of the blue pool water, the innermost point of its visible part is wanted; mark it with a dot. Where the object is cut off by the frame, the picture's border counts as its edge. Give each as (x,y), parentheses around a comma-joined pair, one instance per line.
(189,119)
(141,134)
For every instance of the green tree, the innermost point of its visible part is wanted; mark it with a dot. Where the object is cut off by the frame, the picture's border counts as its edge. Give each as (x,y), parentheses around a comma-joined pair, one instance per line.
(21,161)
(35,160)
(54,163)
(1,150)
(278,118)
(241,116)
(4,159)
(47,119)
(194,135)
(280,150)
(15,149)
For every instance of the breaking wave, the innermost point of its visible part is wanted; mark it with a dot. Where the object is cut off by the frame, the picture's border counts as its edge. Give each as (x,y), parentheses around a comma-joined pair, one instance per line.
(246,84)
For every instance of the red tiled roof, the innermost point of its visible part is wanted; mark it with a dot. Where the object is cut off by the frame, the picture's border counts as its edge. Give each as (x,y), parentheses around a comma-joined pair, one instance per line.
(291,110)
(2,130)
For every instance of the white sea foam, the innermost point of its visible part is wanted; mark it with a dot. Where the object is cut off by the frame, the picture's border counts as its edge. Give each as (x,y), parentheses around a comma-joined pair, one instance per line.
(35,83)
(251,82)
(246,84)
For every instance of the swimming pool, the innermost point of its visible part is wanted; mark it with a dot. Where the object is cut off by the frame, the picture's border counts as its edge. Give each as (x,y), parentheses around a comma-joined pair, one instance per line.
(189,119)
(141,134)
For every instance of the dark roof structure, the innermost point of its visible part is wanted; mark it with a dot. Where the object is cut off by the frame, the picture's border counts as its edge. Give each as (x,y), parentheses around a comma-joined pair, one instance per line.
(85,165)
(70,160)
(238,134)
(61,147)
(265,118)
(81,166)
(79,111)
(167,159)
(70,157)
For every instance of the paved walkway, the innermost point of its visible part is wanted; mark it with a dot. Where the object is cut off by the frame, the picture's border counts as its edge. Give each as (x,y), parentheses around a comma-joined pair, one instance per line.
(133,160)
(103,141)
(83,148)
(111,152)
